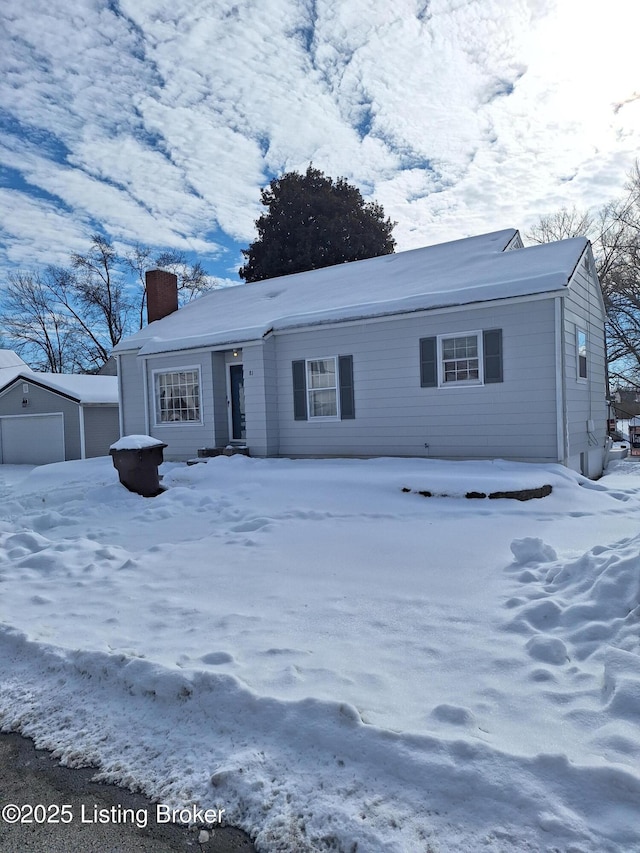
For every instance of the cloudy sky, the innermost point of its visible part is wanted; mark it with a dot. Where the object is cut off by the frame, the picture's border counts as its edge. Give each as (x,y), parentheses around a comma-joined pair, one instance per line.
(158,121)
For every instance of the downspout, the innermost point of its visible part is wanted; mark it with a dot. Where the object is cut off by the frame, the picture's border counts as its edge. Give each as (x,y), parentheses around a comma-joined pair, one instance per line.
(592,439)
(606,365)
(83,448)
(562,423)
(610,403)
(120,406)
(145,391)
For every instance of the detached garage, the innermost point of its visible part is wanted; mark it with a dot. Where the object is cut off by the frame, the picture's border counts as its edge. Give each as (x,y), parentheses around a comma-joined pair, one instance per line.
(54,417)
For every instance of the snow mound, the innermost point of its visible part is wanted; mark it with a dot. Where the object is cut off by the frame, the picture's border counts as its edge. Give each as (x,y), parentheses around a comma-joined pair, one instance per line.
(532,550)
(582,618)
(335,663)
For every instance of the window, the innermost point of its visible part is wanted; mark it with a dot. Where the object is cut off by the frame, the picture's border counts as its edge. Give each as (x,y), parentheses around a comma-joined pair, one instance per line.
(581,353)
(471,358)
(177,396)
(322,388)
(460,361)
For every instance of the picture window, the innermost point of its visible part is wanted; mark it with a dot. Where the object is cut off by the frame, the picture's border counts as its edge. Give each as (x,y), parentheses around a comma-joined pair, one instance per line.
(177,396)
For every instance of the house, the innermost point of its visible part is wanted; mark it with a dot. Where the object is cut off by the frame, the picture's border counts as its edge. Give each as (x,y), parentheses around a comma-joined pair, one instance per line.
(52,417)
(10,366)
(626,403)
(477,348)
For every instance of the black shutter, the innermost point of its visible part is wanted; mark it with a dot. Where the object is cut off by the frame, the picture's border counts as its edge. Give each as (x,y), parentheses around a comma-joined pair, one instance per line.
(299,390)
(347,402)
(492,347)
(428,363)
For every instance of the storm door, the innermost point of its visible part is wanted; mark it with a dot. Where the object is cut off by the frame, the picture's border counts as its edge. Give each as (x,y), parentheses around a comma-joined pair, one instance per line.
(236,401)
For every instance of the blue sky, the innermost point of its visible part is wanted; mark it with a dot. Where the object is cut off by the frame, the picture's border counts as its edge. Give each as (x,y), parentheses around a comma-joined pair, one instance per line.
(158,121)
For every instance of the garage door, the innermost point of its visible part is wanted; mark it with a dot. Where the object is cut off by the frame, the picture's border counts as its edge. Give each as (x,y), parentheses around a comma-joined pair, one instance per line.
(32,439)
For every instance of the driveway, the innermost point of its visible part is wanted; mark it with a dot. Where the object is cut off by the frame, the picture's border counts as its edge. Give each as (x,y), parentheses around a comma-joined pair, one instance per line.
(30,777)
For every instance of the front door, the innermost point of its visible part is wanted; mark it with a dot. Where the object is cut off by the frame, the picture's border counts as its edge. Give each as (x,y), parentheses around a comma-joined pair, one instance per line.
(236,399)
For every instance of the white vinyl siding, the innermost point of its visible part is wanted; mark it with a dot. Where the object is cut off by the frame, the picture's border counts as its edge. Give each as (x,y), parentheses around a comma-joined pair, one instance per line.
(261,397)
(586,407)
(131,385)
(515,417)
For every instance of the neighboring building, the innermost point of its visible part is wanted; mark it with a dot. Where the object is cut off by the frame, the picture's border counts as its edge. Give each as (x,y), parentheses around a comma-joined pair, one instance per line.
(10,366)
(53,417)
(626,403)
(109,368)
(474,349)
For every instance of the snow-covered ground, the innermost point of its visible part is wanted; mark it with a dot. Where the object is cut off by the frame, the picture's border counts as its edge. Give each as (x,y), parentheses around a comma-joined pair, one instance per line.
(336,660)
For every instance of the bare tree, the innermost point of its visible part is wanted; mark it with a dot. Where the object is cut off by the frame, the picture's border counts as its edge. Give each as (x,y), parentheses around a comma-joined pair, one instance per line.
(43,320)
(562,224)
(69,320)
(620,280)
(37,325)
(93,335)
(99,289)
(614,231)
(192,279)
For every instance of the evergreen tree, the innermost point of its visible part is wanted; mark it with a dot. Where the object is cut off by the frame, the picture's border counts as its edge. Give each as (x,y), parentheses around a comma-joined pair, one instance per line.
(312,222)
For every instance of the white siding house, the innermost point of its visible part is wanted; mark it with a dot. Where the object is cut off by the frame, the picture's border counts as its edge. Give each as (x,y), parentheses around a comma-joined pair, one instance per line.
(479,348)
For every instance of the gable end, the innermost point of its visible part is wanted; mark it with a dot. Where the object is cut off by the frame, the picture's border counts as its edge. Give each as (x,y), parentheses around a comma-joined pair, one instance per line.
(29,379)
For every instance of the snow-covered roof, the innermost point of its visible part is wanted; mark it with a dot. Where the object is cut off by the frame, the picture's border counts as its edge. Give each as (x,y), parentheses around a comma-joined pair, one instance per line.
(10,366)
(475,269)
(10,359)
(80,387)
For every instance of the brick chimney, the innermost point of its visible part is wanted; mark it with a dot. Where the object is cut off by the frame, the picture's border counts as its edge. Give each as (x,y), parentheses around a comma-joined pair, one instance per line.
(162,294)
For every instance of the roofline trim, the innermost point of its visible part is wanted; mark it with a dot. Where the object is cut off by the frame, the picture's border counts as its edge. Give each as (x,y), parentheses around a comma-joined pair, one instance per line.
(28,377)
(380,318)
